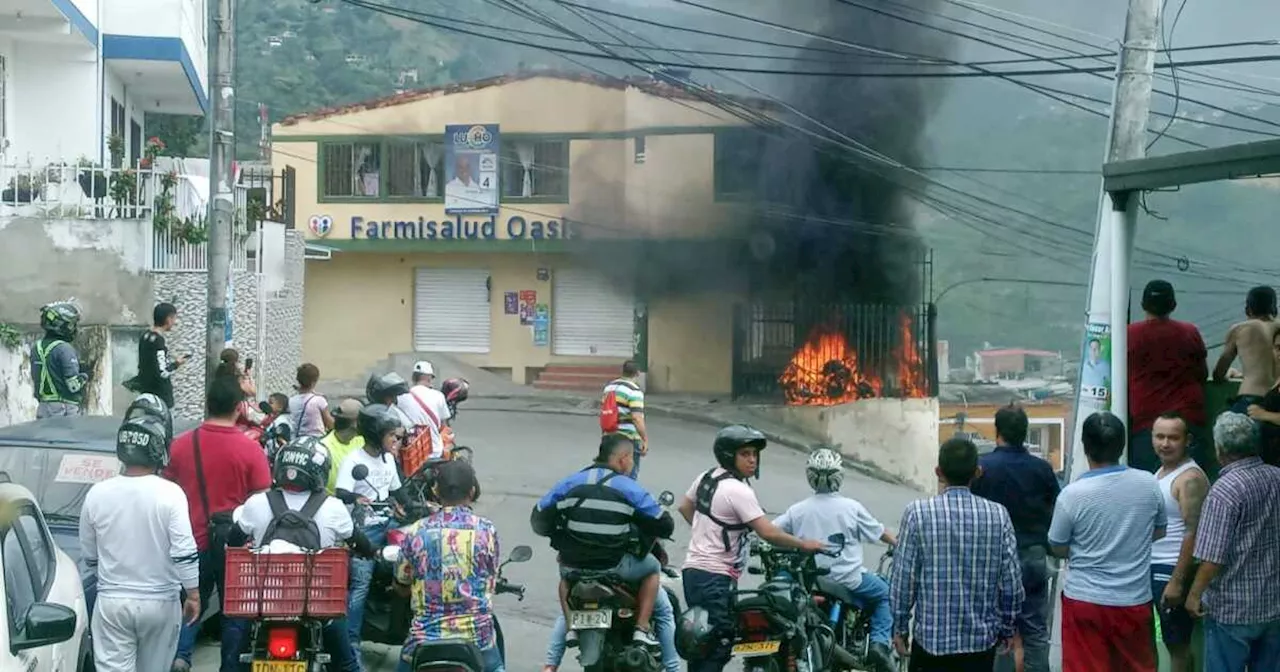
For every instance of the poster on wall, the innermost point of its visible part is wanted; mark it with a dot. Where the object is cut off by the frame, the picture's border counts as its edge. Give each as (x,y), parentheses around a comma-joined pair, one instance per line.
(510,303)
(541,325)
(1095,367)
(528,302)
(471,155)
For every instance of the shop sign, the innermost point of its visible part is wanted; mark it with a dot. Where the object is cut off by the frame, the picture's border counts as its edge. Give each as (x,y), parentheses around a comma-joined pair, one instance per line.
(457,228)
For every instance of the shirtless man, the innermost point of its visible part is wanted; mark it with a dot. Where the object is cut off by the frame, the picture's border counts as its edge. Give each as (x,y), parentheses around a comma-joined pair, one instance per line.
(1252,340)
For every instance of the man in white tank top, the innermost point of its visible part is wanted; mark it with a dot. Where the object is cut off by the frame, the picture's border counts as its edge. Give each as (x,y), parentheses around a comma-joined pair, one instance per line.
(1183,486)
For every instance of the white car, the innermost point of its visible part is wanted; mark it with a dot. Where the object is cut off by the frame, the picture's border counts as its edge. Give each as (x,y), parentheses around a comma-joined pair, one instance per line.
(44,625)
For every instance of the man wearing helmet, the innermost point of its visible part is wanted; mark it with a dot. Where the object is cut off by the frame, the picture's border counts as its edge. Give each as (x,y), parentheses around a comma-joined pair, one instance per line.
(297,511)
(828,513)
(386,389)
(55,364)
(384,434)
(721,507)
(136,535)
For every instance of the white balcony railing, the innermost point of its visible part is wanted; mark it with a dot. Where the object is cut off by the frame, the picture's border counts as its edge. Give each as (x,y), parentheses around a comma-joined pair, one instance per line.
(170,206)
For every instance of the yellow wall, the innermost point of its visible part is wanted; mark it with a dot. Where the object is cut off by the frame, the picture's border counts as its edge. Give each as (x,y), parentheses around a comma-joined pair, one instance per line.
(691,344)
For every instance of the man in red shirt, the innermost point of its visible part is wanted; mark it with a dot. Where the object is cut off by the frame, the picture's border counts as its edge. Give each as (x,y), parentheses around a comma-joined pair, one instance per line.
(218,467)
(1167,372)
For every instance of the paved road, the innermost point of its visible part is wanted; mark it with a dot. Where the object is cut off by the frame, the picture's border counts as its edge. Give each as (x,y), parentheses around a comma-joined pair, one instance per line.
(519,455)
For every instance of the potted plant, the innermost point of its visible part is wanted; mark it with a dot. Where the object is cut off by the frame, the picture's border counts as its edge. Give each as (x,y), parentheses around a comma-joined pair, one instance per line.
(23,188)
(92,179)
(123,188)
(115,147)
(150,151)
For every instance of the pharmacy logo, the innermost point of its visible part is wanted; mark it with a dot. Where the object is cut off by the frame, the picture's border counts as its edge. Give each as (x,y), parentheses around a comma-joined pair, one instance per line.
(320,225)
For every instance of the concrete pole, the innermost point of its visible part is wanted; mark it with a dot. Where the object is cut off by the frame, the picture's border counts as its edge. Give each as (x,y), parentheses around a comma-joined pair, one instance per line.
(222,153)
(1113,245)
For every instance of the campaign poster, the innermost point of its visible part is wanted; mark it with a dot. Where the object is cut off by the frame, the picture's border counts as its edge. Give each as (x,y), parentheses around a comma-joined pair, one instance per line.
(471,153)
(528,303)
(541,325)
(1095,367)
(510,303)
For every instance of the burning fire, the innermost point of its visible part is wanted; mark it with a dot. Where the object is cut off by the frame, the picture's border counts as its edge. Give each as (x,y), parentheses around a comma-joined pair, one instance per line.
(825,370)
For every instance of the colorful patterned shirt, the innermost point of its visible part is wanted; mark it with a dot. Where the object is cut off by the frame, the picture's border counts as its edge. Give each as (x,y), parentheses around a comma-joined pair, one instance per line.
(1239,530)
(450,559)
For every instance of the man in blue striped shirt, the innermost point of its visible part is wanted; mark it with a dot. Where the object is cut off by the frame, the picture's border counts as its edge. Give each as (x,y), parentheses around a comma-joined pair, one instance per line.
(957,571)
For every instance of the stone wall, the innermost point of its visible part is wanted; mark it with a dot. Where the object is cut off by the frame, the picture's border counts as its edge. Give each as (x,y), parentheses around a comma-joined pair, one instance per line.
(278,372)
(17,391)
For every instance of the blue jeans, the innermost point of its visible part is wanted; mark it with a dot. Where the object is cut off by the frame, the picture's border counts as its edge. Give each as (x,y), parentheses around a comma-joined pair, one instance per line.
(361,577)
(212,570)
(337,643)
(715,593)
(492,661)
(1235,648)
(635,466)
(665,626)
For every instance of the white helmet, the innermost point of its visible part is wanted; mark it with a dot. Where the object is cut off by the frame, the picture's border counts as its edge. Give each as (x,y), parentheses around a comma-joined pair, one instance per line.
(825,470)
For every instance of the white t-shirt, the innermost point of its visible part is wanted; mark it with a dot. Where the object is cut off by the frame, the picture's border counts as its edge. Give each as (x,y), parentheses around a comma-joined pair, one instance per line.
(434,399)
(333,519)
(137,531)
(381,481)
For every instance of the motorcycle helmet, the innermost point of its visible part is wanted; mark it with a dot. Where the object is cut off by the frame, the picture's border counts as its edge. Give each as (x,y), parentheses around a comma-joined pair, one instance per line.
(143,442)
(825,470)
(695,637)
(455,391)
(385,388)
(375,421)
(60,319)
(303,464)
(731,439)
(151,406)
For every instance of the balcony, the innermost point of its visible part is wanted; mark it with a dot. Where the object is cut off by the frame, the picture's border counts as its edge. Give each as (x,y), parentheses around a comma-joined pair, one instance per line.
(158,48)
(56,22)
(153,217)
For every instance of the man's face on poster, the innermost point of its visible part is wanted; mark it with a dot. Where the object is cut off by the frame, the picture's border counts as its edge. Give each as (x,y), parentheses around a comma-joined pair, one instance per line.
(462,168)
(1095,351)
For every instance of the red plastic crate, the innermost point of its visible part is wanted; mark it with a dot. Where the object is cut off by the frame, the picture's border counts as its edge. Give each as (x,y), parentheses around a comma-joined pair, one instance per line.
(283,585)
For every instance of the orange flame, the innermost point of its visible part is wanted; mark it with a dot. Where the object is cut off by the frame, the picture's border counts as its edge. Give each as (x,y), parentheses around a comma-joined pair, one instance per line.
(825,370)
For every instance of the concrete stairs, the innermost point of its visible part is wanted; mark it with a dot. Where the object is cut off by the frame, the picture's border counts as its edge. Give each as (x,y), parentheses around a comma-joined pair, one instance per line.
(570,378)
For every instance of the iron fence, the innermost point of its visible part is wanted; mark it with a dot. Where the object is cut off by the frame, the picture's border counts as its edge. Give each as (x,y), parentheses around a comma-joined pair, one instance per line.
(78,191)
(866,350)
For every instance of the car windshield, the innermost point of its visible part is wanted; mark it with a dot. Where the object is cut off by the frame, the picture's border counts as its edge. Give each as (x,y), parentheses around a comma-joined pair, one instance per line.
(58,477)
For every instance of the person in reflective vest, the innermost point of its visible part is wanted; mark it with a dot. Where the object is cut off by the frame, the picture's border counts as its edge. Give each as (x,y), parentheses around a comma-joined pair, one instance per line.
(55,364)
(599,519)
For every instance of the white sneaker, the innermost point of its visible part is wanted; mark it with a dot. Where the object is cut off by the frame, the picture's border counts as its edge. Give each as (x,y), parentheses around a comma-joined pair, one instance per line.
(645,637)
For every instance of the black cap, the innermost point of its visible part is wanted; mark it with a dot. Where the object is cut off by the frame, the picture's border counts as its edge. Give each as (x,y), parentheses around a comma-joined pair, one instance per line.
(1158,298)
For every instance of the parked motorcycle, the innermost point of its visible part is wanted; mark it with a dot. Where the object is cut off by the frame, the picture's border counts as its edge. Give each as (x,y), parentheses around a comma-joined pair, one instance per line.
(602,612)
(852,626)
(464,655)
(387,612)
(778,626)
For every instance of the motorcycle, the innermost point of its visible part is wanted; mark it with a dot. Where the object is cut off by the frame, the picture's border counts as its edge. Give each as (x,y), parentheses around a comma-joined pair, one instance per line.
(602,612)
(778,626)
(387,613)
(852,626)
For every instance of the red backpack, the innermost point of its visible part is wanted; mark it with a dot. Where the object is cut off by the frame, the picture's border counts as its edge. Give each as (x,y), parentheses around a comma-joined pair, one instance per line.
(609,407)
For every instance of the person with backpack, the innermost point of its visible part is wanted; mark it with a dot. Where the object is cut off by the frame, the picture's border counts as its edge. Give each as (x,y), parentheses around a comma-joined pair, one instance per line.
(721,508)
(622,412)
(55,364)
(297,511)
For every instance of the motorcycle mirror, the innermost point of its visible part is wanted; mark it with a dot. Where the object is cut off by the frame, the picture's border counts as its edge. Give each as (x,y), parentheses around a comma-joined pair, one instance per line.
(666,498)
(837,539)
(360,472)
(520,554)
(265,407)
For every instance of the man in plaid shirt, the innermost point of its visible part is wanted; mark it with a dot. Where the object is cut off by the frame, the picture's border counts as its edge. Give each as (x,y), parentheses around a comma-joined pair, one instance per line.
(957,571)
(1238,546)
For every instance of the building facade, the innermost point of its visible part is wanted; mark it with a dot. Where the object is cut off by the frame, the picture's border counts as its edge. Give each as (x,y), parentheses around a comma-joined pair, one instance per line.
(523,223)
(1048,422)
(73,73)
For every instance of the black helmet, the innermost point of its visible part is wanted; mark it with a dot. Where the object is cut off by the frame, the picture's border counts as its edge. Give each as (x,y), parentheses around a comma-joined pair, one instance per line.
(148,405)
(61,319)
(734,437)
(381,386)
(455,391)
(304,464)
(695,637)
(143,442)
(375,420)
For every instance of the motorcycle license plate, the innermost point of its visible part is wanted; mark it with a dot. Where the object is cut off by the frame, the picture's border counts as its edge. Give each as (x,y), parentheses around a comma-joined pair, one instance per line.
(590,620)
(279,666)
(755,648)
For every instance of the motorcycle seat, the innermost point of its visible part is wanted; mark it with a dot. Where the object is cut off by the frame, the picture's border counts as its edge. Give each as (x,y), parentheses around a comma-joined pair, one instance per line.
(447,654)
(834,590)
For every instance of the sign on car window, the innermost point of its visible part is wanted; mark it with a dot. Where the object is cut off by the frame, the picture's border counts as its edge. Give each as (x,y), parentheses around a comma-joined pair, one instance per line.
(88,469)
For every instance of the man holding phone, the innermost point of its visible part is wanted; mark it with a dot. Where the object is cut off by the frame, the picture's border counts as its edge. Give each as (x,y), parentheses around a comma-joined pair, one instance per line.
(155,367)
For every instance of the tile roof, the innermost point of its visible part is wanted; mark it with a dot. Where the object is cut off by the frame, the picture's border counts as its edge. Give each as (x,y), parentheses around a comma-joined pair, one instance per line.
(650,85)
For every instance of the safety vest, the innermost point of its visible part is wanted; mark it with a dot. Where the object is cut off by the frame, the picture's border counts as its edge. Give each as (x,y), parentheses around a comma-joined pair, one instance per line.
(48,390)
(595,515)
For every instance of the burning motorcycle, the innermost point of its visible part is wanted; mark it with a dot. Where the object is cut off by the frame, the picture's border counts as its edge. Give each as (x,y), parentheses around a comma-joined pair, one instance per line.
(459,655)
(602,612)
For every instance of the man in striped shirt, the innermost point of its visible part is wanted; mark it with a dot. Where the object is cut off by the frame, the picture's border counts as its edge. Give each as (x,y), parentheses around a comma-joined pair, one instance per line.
(957,571)
(630,398)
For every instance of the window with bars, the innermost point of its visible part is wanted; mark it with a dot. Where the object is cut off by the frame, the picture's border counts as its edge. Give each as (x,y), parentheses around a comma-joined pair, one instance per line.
(352,169)
(535,169)
(415,169)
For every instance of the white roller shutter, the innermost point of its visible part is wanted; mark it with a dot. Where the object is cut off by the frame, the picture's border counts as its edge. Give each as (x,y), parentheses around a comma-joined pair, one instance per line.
(591,316)
(451,310)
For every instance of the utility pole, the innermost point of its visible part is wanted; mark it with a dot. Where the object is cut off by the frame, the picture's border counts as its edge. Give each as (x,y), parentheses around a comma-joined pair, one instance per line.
(222,153)
(1108,312)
